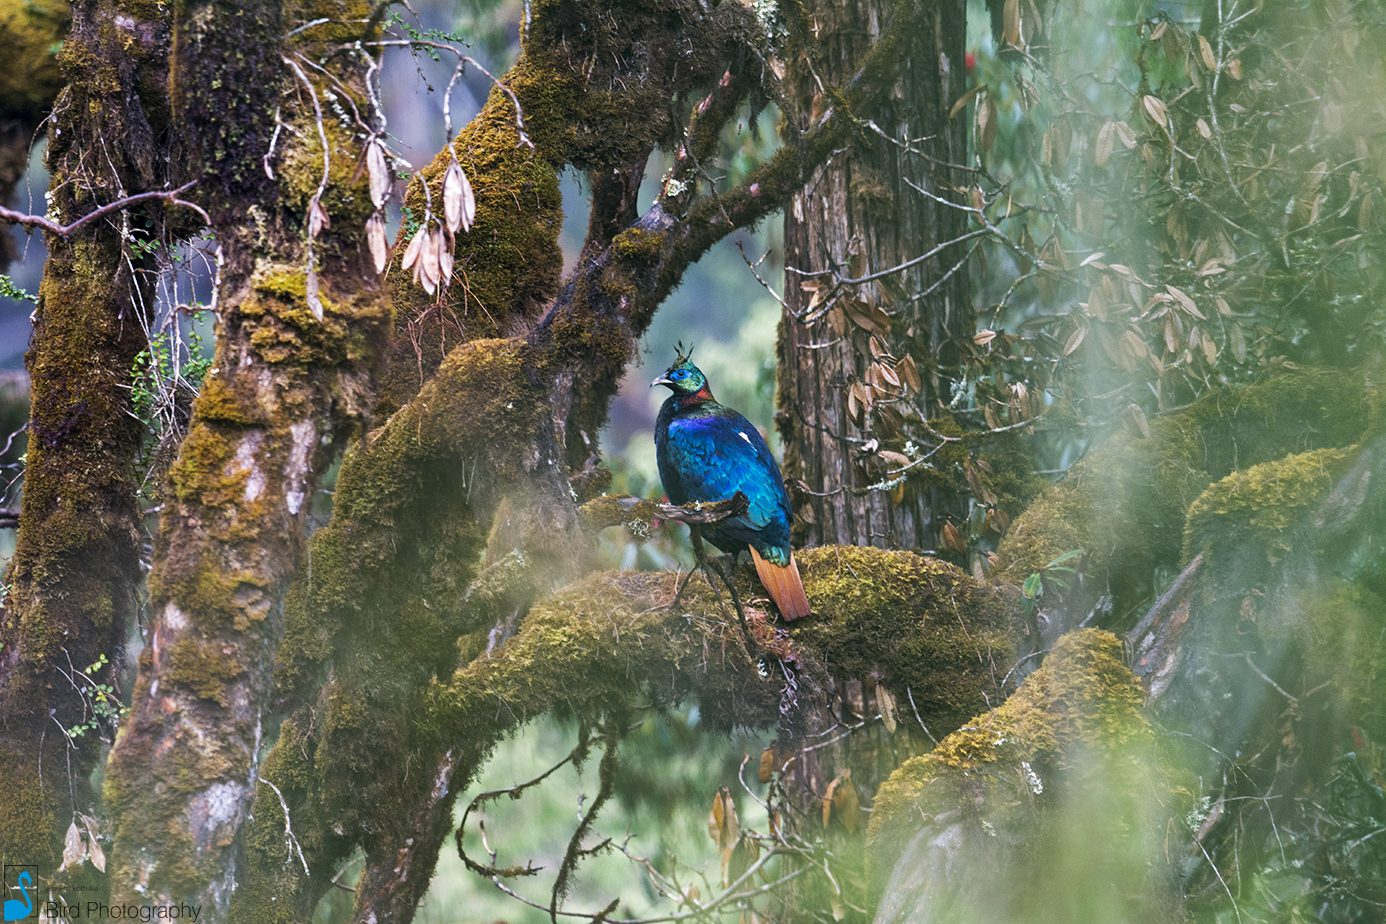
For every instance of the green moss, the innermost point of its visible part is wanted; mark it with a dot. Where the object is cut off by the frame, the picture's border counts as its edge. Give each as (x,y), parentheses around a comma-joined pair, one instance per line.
(1341,632)
(204,668)
(638,245)
(27,825)
(900,613)
(29,31)
(1260,505)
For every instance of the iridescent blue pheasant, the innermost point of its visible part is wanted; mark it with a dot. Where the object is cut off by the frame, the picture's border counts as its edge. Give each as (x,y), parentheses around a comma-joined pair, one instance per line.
(708,452)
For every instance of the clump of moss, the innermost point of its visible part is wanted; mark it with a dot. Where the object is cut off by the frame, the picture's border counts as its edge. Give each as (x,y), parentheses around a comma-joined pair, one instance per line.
(1258,507)
(1341,632)
(1057,783)
(931,630)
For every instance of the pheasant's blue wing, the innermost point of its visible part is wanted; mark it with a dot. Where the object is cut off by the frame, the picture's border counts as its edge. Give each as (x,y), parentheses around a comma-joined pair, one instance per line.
(709,456)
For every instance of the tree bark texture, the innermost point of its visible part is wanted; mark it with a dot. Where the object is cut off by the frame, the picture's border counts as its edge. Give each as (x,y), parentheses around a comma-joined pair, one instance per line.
(76,564)
(860,214)
(285,389)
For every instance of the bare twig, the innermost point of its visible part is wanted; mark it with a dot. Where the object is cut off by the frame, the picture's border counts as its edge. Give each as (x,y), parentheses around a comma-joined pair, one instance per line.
(65,231)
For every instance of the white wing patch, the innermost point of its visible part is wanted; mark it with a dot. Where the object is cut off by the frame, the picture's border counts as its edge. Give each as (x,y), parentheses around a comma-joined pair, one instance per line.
(742,434)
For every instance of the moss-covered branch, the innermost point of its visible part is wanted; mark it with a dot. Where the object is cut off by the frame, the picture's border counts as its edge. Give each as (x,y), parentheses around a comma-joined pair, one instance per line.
(594,647)
(1125,502)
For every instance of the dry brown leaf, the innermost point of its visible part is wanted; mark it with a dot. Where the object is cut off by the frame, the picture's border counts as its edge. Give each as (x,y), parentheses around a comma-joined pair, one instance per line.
(74,850)
(431,259)
(722,823)
(1075,340)
(966,98)
(954,539)
(311,292)
(846,807)
(445,261)
(1106,138)
(887,375)
(415,247)
(459,202)
(98,856)
(886,703)
(986,123)
(1010,23)
(769,763)
(1206,52)
(895,459)
(1204,130)
(1185,302)
(1126,135)
(1210,349)
(869,317)
(317,218)
(909,374)
(452,196)
(1155,108)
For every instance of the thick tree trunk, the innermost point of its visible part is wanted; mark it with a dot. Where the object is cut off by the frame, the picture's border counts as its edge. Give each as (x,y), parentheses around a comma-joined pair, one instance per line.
(860,215)
(286,387)
(76,564)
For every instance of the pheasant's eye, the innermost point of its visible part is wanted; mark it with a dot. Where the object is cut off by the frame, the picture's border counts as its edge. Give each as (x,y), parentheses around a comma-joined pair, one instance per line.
(680,375)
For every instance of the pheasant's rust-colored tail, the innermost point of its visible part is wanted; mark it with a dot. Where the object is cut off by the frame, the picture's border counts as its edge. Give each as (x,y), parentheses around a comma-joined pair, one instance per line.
(784,584)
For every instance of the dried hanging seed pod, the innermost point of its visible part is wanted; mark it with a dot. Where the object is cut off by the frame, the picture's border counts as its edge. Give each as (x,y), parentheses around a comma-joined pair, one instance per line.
(375,240)
(378,168)
(459,203)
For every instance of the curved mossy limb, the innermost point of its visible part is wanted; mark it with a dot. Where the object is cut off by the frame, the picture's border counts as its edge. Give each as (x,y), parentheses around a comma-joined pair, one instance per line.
(1047,808)
(1280,664)
(594,646)
(1125,502)
(593,96)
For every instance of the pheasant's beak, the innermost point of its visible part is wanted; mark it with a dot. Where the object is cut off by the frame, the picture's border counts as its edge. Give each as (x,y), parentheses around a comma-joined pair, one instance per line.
(662,380)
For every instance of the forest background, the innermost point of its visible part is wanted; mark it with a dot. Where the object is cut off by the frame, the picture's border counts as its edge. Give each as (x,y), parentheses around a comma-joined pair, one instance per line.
(1141,271)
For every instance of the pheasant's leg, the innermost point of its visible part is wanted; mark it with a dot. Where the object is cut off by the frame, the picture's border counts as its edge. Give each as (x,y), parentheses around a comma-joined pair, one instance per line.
(707,566)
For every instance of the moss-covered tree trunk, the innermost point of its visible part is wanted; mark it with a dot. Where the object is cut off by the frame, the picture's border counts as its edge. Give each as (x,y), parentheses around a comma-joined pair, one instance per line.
(861,214)
(76,564)
(287,385)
